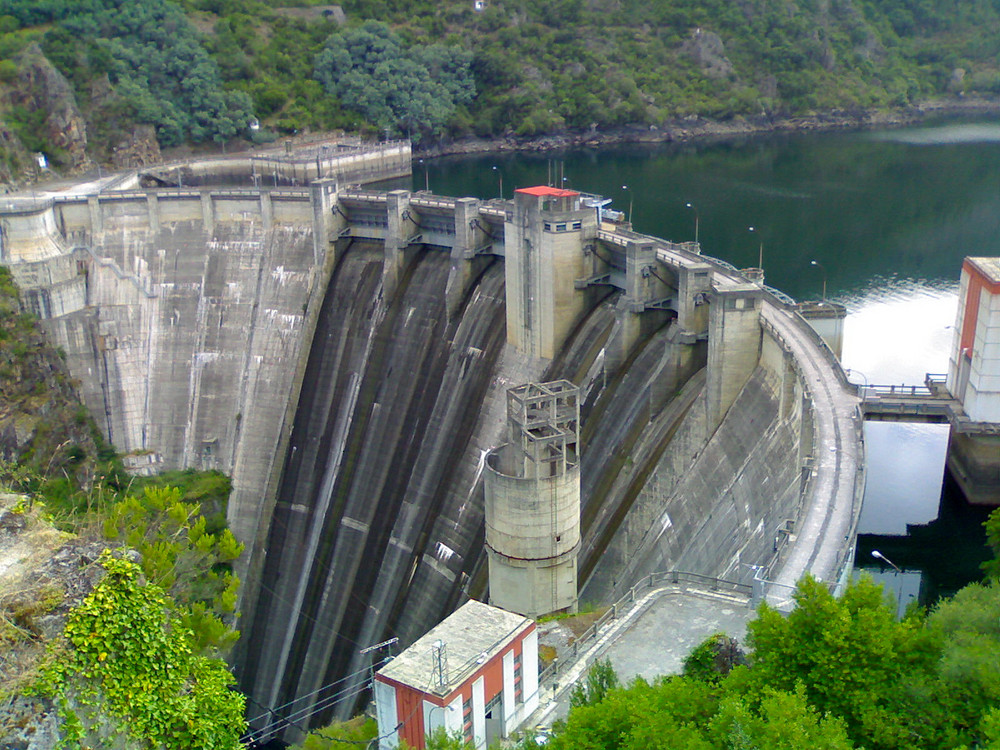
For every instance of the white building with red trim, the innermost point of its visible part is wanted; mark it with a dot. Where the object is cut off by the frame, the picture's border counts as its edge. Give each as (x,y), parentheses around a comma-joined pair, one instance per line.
(474,674)
(974,379)
(974,371)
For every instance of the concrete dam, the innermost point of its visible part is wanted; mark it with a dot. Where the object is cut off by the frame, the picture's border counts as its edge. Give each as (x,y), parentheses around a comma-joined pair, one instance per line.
(344,354)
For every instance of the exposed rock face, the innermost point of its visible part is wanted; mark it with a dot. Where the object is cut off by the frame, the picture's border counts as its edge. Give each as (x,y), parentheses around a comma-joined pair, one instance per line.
(10,144)
(44,573)
(708,51)
(956,83)
(42,421)
(41,87)
(139,149)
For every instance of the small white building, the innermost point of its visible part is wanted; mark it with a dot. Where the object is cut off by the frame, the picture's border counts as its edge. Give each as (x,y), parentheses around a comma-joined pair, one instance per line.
(974,379)
(475,674)
(974,367)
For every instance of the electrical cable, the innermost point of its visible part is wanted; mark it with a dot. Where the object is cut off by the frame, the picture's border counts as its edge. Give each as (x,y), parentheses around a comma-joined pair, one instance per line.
(307,695)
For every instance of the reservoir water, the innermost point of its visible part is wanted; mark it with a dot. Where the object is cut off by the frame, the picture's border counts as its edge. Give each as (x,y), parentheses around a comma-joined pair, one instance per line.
(878,221)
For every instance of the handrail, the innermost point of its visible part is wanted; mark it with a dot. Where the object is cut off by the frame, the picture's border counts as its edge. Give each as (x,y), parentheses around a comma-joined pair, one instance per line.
(921,391)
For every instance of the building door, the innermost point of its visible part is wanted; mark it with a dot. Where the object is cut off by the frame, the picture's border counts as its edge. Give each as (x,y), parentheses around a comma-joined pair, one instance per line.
(494,719)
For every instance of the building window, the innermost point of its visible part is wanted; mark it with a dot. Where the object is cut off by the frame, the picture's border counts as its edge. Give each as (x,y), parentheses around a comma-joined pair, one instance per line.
(518,691)
(467,720)
(494,708)
(577,225)
(560,227)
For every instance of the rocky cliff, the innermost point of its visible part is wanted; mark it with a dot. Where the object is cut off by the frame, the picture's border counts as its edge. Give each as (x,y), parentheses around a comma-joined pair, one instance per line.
(44,427)
(44,573)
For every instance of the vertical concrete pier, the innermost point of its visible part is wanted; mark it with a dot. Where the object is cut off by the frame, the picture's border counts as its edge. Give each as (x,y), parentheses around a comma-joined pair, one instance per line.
(827,319)
(532,487)
(734,342)
(544,241)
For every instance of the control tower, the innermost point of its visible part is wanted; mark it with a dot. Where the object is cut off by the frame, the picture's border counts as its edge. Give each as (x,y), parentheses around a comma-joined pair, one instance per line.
(532,486)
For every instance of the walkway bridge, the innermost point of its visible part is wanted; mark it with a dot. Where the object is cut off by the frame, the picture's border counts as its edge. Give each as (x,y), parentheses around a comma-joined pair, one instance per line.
(930,403)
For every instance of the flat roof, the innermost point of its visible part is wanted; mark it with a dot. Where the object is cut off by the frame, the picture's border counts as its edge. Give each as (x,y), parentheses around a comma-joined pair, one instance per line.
(988,267)
(473,630)
(545,190)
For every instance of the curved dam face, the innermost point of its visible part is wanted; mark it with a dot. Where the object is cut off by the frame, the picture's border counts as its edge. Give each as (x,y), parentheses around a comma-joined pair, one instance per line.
(346,356)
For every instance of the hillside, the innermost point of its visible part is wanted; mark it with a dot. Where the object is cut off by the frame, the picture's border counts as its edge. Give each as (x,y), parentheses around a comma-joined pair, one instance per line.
(205,71)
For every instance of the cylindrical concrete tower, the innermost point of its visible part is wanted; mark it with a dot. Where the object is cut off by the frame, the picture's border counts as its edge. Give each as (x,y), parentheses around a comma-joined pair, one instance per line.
(532,486)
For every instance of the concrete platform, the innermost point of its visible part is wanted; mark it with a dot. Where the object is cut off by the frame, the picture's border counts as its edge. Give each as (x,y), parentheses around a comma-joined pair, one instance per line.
(650,639)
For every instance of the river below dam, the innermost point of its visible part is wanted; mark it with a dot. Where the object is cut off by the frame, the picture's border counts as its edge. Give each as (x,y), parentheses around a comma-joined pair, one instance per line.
(876,220)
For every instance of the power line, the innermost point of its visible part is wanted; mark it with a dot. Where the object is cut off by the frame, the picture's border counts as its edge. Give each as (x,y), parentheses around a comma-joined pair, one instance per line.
(302,715)
(307,695)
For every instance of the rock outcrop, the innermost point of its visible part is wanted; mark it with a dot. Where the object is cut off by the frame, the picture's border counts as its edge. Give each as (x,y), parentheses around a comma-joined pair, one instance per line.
(44,573)
(706,49)
(40,87)
(138,149)
(43,424)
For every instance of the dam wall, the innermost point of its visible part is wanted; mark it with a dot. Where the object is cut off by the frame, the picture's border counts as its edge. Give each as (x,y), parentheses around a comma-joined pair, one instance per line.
(349,162)
(184,315)
(345,355)
(722,502)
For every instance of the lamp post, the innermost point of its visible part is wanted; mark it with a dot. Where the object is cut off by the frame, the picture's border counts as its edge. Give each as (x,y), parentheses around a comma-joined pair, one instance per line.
(864,393)
(500,175)
(760,250)
(692,207)
(445,711)
(626,189)
(879,556)
(427,179)
(899,588)
(823,270)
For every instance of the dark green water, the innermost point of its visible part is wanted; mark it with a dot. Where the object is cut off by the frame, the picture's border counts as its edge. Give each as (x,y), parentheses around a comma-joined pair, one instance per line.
(888,216)
(866,206)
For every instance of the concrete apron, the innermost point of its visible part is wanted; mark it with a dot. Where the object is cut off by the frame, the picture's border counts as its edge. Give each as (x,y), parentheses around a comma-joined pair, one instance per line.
(555,692)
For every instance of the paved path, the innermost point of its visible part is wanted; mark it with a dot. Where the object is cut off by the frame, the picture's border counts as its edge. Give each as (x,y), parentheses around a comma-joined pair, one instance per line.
(826,526)
(651,639)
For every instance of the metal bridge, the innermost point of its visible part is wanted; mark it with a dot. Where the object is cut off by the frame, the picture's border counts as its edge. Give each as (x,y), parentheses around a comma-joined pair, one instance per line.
(930,403)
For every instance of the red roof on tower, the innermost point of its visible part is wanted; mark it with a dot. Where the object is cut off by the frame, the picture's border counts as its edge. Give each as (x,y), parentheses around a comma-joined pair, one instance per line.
(542,190)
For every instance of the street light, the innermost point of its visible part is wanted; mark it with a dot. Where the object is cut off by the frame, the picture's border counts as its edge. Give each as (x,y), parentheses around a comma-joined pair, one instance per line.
(626,189)
(695,221)
(899,589)
(879,556)
(500,175)
(760,250)
(820,267)
(864,393)
(427,179)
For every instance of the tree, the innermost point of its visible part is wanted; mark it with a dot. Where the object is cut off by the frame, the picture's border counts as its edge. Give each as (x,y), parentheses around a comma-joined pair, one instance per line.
(412,92)
(992,567)
(340,735)
(601,679)
(778,721)
(850,655)
(181,555)
(967,684)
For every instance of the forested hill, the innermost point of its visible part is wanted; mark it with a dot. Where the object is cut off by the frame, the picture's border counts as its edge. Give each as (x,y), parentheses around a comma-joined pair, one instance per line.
(204,70)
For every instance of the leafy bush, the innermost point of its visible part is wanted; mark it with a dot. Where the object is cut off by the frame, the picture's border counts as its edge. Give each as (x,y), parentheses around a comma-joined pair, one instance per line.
(127,653)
